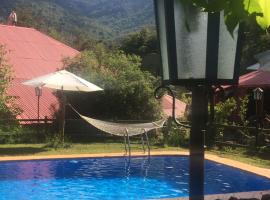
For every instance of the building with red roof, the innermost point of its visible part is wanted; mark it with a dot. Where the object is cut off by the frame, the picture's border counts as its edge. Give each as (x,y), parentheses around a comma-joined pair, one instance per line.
(167,104)
(258,78)
(246,84)
(31,54)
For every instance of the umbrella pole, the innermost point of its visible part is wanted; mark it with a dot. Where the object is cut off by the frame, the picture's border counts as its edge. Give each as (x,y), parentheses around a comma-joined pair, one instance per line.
(63,115)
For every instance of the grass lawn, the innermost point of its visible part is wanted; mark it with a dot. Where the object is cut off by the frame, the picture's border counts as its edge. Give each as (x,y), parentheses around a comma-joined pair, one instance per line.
(111,147)
(75,148)
(241,155)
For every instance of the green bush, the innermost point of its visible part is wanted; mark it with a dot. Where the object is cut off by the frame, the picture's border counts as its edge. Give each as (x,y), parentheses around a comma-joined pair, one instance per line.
(178,137)
(174,135)
(230,112)
(8,108)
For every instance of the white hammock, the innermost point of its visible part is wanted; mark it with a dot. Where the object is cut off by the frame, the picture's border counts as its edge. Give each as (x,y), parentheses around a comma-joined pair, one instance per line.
(122,129)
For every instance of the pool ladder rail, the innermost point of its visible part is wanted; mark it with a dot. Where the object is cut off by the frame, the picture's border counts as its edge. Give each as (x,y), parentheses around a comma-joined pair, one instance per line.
(144,139)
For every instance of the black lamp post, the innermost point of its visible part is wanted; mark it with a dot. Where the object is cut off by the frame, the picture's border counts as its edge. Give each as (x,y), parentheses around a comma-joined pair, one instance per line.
(197,51)
(38,92)
(258,97)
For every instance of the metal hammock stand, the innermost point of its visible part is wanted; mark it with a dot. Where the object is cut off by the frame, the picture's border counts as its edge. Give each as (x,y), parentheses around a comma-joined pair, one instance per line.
(124,129)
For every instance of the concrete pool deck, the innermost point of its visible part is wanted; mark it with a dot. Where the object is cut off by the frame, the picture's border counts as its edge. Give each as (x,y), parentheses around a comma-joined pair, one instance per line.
(243,166)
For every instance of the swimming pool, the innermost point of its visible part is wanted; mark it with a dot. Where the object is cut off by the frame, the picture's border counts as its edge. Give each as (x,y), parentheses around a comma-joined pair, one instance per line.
(117,178)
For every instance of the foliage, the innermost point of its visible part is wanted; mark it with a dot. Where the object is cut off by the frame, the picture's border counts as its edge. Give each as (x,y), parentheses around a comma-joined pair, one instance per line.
(185,96)
(144,43)
(14,133)
(102,20)
(255,41)
(263,21)
(230,112)
(224,110)
(56,142)
(178,137)
(243,107)
(236,11)
(249,156)
(128,91)
(8,108)
(30,16)
(173,135)
(140,43)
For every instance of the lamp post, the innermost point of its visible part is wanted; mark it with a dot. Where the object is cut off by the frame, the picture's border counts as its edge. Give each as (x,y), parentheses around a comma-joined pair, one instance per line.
(258,97)
(197,51)
(38,91)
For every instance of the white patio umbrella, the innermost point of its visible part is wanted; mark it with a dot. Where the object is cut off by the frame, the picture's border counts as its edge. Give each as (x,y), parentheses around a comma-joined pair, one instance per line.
(65,81)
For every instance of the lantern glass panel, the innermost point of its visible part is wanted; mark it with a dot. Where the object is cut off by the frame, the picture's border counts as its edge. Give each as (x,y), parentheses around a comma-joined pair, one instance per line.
(255,96)
(191,40)
(163,38)
(227,51)
(261,95)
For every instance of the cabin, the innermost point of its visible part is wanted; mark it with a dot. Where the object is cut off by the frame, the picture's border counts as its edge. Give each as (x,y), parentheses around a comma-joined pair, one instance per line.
(31,54)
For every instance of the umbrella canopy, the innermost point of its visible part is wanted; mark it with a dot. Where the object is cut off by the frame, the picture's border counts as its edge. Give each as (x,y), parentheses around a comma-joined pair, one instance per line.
(63,80)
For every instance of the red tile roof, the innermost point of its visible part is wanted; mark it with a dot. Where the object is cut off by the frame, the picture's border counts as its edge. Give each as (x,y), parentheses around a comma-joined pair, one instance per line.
(257,78)
(32,54)
(166,104)
(28,103)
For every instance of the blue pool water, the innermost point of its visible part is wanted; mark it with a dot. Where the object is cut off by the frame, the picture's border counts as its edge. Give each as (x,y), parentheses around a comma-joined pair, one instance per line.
(116,178)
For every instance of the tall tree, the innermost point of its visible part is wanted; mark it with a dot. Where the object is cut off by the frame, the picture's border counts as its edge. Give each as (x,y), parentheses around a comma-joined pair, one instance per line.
(128,91)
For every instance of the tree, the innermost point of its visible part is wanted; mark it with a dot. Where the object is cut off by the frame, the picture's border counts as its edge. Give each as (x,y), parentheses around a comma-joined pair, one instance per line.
(236,11)
(128,91)
(255,41)
(144,43)
(28,18)
(8,108)
(141,43)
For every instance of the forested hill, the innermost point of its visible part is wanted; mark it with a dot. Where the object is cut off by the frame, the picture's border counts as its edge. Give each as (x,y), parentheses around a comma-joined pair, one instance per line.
(102,19)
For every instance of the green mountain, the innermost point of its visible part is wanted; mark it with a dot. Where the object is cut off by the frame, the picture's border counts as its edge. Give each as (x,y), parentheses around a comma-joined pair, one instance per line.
(101,19)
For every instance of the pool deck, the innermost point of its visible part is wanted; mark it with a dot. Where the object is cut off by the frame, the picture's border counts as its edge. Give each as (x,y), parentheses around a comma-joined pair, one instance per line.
(227,196)
(246,167)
